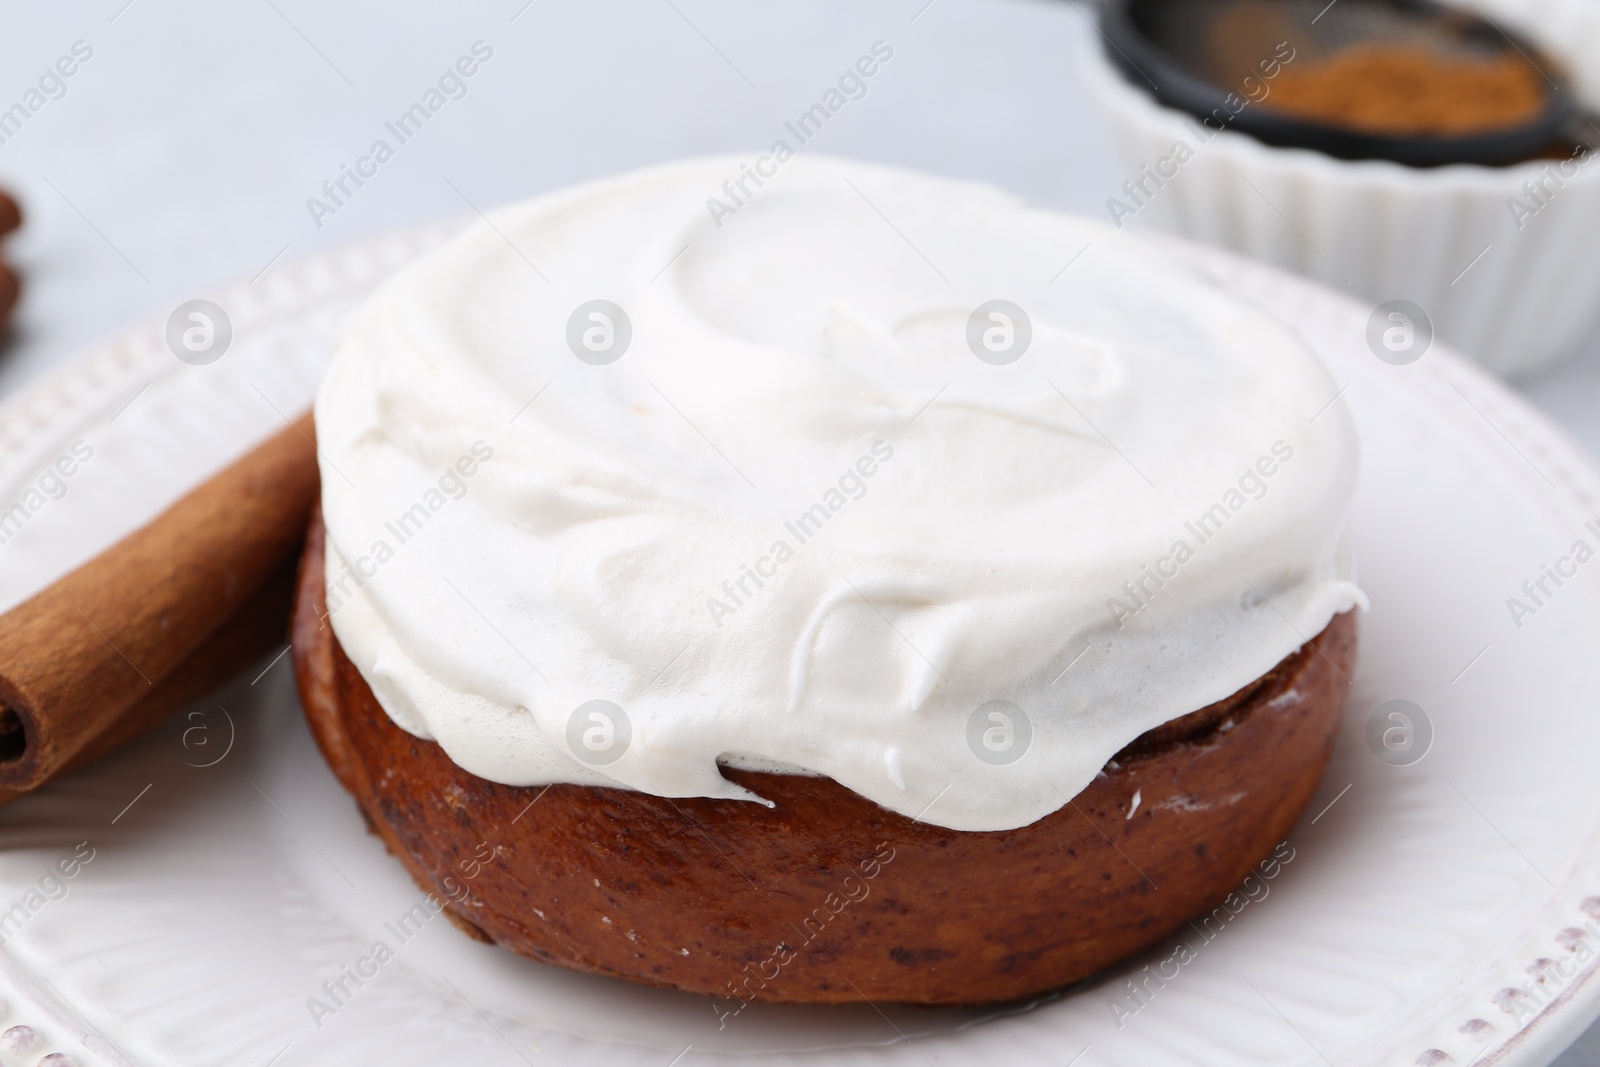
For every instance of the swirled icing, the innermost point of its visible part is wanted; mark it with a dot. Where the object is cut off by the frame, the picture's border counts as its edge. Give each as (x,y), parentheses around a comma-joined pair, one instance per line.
(799,524)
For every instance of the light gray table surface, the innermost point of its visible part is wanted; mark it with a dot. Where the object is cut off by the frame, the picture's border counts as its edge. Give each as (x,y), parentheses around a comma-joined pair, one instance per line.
(181,154)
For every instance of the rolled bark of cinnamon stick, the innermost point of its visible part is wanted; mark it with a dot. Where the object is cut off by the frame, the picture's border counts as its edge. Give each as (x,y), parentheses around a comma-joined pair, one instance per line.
(149,625)
(256,629)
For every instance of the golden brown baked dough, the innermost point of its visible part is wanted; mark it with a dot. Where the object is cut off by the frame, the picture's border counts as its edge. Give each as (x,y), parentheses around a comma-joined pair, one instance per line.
(827,897)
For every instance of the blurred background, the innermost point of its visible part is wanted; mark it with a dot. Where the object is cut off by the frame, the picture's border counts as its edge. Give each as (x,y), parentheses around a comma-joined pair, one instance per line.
(182,152)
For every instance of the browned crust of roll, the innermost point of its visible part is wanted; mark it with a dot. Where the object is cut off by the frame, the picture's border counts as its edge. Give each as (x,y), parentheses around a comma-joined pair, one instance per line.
(827,897)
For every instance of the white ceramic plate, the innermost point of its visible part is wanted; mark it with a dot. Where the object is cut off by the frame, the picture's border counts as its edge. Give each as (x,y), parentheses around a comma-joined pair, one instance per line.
(1447,911)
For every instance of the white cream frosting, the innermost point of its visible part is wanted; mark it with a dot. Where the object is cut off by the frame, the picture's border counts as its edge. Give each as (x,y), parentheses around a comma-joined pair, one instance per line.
(1015,540)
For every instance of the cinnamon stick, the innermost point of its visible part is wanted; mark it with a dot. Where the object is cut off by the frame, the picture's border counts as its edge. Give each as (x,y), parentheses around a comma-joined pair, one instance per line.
(10,284)
(255,630)
(151,624)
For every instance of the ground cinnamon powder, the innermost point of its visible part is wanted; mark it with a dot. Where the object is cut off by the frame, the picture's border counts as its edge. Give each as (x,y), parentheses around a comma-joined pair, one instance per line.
(1398,89)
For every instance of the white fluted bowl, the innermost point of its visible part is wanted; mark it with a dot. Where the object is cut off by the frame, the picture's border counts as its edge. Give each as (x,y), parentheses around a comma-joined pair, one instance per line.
(1512,293)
